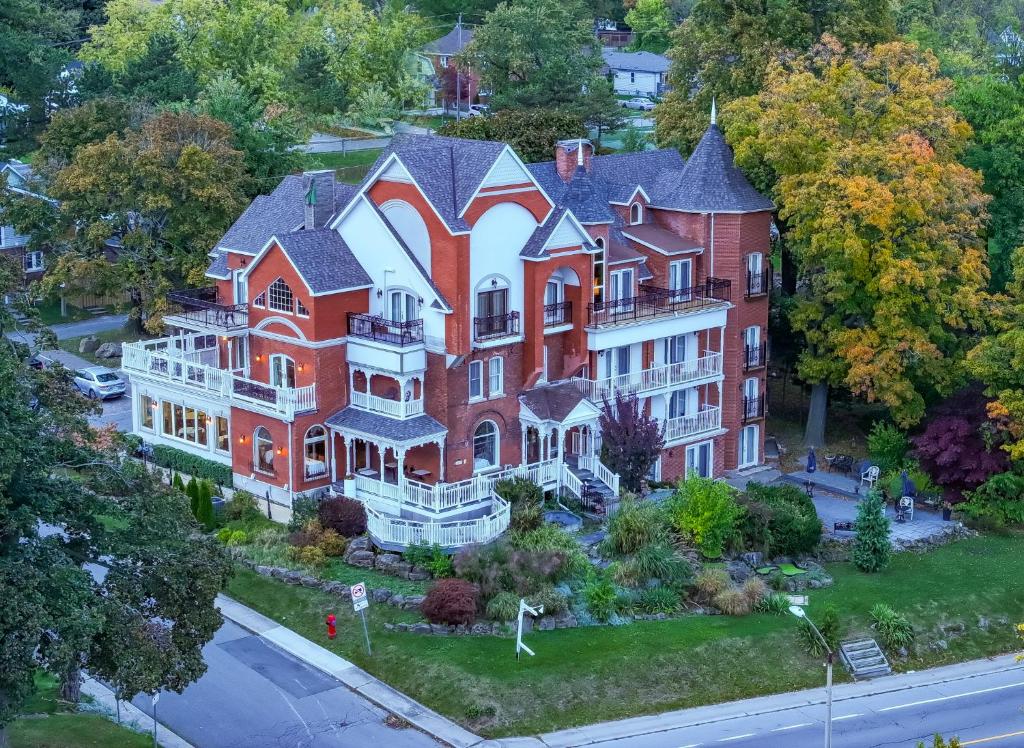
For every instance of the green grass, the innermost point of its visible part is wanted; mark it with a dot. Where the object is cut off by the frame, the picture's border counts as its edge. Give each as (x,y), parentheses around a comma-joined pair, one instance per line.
(49,312)
(586,675)
(46,722)
(122,334)
(349,167)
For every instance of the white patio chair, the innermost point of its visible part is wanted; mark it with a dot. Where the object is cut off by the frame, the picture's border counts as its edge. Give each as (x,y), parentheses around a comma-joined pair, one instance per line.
(869,476)
(906,508)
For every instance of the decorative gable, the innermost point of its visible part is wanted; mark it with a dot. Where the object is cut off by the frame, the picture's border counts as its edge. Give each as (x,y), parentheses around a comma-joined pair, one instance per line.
(505,171)
(396,172)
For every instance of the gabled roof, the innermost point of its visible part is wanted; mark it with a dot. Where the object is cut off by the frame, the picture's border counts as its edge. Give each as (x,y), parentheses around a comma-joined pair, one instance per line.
(448,44)
(323,260)
(540,241)
(584,195)
(553,402)
(410,431)
(645,62)
(277,213)
(622,173)
(218,266)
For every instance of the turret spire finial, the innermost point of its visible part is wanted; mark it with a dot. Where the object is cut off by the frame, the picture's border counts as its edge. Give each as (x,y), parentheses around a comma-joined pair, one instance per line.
(714,112)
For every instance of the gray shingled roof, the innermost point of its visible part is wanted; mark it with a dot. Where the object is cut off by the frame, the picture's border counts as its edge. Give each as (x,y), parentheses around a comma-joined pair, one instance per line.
(552,402)
(534,246)
(667,241)
(584,195)
(646,62)
(411,431)
(277,213)
(449,43)
(324,260)
(622,173)
(218,266)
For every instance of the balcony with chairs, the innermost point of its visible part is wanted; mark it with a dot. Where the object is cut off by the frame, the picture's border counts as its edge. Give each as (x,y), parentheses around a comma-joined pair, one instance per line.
(203,309)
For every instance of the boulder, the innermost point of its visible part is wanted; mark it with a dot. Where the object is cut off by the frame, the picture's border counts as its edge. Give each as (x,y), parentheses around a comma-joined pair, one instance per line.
(380,594)
(389,627)
(362,559)
(413,602)
(480,629)
(88,345)
(356,545)
(392,563)
(547,623)
(336,588)
(739,572)
(753,559)
(420,628)
(396,600)
(416,574)
(108,350)
(308,581)
(566,620)
(278,572)
(293,577)
(264,571)
(439,629)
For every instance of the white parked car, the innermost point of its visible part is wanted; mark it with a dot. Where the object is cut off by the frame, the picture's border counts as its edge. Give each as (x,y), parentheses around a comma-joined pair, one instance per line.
(640,102)
(478,110)
(99,382)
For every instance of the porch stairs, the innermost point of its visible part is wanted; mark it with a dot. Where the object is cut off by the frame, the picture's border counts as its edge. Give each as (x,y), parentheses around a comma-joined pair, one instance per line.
(596,486)
(864,659)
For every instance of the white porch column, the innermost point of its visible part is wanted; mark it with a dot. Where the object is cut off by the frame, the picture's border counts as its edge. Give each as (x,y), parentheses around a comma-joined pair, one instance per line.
(440,470)
(334,465)
(560,441)
(381,450)
(400,470)
(522,459)
(721,344)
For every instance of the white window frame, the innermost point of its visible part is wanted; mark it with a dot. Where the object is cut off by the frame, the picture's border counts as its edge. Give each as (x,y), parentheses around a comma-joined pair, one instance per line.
(260,302)
(408,306)
(496,435)
(476,374)
(33,262)
(544,370)
(672,346)
(692,464)
(279,370)
(752,341)
(744,459)
(240,285)
(300,309)
(622,282)
(309,441)
(280,286)
(216,434)
(147,405)
(257,464)
(496,376)
(675,405)
(680,279)
(636,214)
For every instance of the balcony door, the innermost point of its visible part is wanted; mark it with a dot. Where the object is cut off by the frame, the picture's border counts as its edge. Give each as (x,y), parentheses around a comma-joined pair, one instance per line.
(402,307)
(675,349)
(680,279)
(621,291)
(616,362)
(748,446)
(752,345)
(698,460)
(282,371)
(491,308)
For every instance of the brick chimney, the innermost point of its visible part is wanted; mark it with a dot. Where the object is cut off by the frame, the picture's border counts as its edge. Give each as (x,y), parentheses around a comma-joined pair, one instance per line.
(572,153)
(318,197)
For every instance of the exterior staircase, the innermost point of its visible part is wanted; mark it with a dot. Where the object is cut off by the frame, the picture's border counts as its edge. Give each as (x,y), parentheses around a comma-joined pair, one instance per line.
(595,486)
(864,658)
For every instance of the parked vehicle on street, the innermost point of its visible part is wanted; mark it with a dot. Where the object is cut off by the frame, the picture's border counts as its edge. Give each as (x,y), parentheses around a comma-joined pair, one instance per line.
(478,110)
(641,103)
(99,382)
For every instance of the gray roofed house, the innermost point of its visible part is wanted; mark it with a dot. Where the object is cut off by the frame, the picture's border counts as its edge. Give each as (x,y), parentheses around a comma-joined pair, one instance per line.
(410,431)
(647,62)
(324,260)
(449,45)
(636,73)
(552,402)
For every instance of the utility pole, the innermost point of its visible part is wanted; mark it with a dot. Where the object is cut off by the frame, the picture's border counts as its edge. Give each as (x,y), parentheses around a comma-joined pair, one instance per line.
(458,75)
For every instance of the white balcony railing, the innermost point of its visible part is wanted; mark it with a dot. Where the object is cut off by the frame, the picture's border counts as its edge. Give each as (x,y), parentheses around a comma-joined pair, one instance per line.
(655,378)
(602,473)
(708,418)
(163,361)
(394,408)
(389,530)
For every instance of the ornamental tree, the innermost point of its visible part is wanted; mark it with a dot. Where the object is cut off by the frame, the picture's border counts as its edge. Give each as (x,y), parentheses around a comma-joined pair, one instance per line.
(631,442)
(871,551)
(859,148)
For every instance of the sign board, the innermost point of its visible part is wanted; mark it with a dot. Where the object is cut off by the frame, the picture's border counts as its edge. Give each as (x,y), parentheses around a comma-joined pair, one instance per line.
(359,601)
(797,599)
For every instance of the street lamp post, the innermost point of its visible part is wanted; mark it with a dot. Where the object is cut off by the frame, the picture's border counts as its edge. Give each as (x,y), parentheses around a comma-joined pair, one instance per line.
(800,613)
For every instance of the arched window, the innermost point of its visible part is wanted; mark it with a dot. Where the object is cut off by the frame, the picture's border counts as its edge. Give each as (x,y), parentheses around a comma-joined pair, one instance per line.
(315,449)
(599,241)
(282,371)
(485,446)
(263,451)
(402,306)
(280,297)
(636,214)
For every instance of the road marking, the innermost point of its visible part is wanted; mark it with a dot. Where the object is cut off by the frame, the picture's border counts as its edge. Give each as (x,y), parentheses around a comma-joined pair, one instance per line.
(846,716)
(954,696)
(737,737)
(977,741)
(691,745)
(792,727)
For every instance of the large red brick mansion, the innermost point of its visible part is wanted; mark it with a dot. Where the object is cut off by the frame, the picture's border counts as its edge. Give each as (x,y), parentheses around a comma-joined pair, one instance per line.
(460,316)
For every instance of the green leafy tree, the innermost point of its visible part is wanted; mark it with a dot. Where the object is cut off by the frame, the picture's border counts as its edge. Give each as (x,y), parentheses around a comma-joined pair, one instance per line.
(705,511)
(871,549)
(157,77)
(375,108)
(600,109)
(939,742)
(535,53)
(533,133)
(634,140)
(93,121)
(651,24)
(860,152)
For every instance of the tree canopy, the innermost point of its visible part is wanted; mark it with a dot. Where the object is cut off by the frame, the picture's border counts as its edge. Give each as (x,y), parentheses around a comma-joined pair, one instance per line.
(651,23)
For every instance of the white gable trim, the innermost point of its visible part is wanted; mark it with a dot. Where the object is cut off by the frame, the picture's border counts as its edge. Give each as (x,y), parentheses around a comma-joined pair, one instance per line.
(265,323)
(585,237)
(529,176)
(638,191)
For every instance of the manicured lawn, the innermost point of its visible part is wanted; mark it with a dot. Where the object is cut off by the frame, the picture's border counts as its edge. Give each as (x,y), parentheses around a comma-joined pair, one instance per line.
(124,334)
(48,723)
(349,167)
(585,675)
(49,312)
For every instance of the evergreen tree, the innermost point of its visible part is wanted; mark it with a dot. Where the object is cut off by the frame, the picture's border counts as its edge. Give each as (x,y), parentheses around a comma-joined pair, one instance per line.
(204,511)
(178,483)
(871,550)
(192,491)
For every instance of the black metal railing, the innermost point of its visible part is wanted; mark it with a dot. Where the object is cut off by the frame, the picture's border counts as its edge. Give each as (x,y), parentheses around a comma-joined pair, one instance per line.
(255,390)
(559,313)
(654,301)
(758,283)
(755,356)
(496,326)
(753,408)
(384,330)
(202,306)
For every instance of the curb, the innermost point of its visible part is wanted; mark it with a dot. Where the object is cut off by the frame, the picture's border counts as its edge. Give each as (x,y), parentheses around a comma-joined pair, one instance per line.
(132,715)
(355,678)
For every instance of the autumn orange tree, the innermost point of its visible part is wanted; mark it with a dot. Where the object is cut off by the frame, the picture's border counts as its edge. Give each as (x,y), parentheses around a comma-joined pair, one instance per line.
(860,148)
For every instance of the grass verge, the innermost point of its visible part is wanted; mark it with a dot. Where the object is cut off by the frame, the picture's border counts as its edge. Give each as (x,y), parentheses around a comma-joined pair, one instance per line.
(585,675)
(119,335)
(349,167)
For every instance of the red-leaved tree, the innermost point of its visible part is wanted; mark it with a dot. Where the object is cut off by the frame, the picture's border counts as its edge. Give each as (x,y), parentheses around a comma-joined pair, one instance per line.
(959,448)
(630,441)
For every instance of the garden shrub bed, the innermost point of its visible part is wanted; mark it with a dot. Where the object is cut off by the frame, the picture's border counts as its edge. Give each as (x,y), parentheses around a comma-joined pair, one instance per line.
(185,462)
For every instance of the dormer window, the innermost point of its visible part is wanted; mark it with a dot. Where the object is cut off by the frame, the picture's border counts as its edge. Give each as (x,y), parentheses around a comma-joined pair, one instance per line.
(636,214)
(281,299)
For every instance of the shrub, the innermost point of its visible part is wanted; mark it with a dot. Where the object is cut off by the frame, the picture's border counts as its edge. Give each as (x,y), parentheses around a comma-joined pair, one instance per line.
(525,517)
(309,555)
(241,507)
(192,491)
(887,446)
(659,600)
(431,558)
(178,483)
(774,603)
(503,607)
(554,602)
(871,550)
(332,544)
(755,590)
(223,534)
(636,524)
(345,516)
(893,628)
(998,501)
(893,482)
(780,519)
(831,630)
(237,537)
(552,538)
(204,506)
(655,562)
(732,601)
(705,511)
(498,567)
(184,462)
(304,508)
(711,581)
(308,534)
(600,596)
(532,132)
(451,601)
(526,499)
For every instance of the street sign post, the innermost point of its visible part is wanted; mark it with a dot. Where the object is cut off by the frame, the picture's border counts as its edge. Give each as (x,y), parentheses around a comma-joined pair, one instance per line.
(359,604)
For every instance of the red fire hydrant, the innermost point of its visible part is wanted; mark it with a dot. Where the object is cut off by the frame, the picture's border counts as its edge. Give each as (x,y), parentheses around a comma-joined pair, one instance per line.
(331,630)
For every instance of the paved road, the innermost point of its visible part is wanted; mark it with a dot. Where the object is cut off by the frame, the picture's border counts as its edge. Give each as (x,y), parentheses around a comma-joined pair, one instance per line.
(326,143)
(255,696)
(981,710)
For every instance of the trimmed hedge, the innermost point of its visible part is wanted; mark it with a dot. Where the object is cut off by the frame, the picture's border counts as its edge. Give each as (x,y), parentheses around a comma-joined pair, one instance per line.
(184,462)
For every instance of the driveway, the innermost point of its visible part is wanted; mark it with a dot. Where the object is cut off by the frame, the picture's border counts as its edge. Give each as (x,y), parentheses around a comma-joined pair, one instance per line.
(254,695)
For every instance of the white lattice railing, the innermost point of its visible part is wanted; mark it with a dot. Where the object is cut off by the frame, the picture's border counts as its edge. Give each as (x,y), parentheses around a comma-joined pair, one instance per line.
(405,533)
(655,378)
(394,408)
(601,472)
(708,418)
(163,360)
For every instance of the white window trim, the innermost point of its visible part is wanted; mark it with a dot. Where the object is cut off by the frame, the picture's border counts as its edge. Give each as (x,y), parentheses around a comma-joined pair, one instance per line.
(33,267)
(270,304)
(256,458)
(496,362)
(638,209)
(153,408)
(284,359)
(299,314)
(479,367)
(753,428)
(694,449)
(215,447)
(497,447)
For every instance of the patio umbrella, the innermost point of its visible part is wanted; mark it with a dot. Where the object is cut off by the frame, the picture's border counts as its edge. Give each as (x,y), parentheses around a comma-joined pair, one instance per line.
(909,489)
(812,460)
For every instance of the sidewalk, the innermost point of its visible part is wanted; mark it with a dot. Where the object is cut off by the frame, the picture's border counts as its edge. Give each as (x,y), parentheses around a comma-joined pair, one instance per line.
(355,678)
(131,715)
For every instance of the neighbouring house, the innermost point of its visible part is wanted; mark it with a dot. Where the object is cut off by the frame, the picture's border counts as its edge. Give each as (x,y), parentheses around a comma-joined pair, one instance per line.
(10,111)
(636,73)
(441,54)
(460,317)
(1009,47)
(19,177)
(610,35)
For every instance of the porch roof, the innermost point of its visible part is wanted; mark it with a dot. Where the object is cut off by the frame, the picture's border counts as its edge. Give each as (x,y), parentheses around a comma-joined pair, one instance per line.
(372,427)
(561,403)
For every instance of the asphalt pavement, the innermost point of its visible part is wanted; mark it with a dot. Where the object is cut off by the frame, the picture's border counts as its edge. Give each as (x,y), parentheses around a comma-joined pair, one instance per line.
(254,695)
